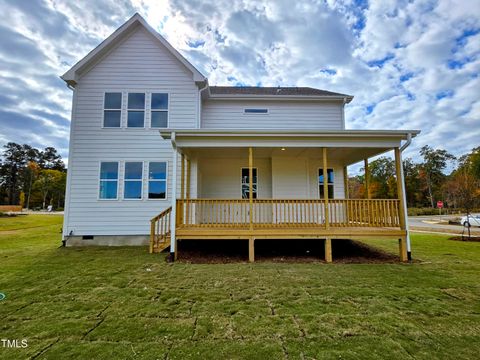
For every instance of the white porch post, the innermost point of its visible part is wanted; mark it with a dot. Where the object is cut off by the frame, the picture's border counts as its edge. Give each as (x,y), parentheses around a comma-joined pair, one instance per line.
(173,215)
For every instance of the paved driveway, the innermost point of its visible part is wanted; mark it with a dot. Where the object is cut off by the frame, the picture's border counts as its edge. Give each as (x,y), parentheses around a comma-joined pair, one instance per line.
(436,223)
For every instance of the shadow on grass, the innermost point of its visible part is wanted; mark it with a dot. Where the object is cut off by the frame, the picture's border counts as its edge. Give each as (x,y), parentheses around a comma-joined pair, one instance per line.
(288,251)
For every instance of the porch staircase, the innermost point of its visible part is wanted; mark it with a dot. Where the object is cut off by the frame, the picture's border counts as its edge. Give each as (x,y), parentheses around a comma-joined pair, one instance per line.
(160,231)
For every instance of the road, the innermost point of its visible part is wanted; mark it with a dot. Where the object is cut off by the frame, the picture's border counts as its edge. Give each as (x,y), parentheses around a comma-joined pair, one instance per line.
(436,223)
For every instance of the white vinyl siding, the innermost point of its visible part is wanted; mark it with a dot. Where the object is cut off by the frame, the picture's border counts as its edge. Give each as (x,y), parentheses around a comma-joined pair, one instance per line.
(138,64)
(230,114)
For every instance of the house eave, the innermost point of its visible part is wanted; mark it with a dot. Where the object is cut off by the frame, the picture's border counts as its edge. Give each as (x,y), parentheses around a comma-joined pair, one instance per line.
(346,99)
(399,134)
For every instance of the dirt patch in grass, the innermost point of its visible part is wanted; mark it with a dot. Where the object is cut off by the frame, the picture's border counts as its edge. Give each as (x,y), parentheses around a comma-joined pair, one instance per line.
(465,238)
(280,251)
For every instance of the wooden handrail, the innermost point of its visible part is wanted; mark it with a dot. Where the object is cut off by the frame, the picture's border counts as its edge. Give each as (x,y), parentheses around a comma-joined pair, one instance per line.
(160,230)
(288,212)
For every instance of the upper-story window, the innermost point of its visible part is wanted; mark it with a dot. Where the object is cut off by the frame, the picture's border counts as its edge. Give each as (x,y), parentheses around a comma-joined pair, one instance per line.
(112,110)
(136,110)
(159,110)
(255,111)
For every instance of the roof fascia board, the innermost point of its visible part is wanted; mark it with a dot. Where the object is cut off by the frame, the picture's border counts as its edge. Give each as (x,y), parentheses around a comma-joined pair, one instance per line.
(291,133)
(347,99)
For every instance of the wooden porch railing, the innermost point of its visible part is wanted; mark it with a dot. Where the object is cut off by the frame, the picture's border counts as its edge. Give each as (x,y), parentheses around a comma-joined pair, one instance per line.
(160,231)
(288,213)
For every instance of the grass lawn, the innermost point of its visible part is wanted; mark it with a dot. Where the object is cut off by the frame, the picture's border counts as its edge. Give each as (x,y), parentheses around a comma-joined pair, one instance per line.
(122,303)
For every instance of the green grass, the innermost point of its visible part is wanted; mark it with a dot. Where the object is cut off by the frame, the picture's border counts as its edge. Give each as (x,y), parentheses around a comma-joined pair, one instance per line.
(122,303)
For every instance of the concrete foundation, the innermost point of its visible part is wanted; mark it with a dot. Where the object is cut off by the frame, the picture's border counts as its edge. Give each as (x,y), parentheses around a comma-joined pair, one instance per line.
(107,240)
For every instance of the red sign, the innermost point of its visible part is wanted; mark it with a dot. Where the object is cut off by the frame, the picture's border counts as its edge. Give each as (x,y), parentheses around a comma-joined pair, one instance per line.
(439,204)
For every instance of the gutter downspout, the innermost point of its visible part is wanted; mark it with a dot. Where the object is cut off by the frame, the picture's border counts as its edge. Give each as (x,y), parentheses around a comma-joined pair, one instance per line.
(343,112)
(403,147)
(173,214)
(199,120)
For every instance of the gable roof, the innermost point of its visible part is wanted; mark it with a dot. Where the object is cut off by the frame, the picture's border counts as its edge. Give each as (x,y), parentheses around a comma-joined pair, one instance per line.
(71,76)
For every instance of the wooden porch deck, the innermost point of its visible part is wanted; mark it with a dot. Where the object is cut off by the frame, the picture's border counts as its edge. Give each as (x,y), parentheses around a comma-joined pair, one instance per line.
(237,219)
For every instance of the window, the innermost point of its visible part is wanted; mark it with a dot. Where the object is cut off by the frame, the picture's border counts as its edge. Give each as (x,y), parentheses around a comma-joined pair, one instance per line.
(133,180)
(246,183)
(159,114)
(112,110)
(329,183)
(136,110)
(255,111)
(157,180)
(108,180)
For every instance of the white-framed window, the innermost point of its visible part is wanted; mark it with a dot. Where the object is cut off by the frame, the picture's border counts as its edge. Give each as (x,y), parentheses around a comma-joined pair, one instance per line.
(255,111)
(330,183)
(159,110)
(246,183)
(108,180)
(136,110)
(112,110)
(133,180)
(157,180)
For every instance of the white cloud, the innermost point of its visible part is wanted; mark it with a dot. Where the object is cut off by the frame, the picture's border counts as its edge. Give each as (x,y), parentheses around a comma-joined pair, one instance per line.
(411,65)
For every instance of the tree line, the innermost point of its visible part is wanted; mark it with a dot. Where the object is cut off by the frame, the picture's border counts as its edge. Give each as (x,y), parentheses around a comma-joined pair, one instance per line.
(31,177)
(425,180)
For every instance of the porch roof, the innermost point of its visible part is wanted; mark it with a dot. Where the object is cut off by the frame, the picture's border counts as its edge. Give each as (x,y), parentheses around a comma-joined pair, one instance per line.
(349,146)
(291,138)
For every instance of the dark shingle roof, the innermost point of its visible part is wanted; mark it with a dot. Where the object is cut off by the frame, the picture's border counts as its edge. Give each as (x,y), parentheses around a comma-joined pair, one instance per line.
(286,91)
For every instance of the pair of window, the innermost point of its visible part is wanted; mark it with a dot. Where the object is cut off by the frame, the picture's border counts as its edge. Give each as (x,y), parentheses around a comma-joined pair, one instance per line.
(133,180)
(112,112)
(321,183)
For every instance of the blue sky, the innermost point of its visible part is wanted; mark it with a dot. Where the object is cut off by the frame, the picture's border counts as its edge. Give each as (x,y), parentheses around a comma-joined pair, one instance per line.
(409,64)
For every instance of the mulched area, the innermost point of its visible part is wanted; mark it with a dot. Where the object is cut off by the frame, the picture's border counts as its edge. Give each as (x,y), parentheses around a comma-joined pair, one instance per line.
(465,238)
(280,251)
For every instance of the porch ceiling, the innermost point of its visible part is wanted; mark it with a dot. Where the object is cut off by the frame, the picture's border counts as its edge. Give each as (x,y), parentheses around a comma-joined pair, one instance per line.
(346,156)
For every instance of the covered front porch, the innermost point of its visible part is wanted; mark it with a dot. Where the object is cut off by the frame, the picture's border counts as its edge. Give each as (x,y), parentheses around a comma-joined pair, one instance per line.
(228,190)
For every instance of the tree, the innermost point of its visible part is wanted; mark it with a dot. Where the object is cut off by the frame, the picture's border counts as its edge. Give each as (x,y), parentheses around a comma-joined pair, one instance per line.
(382,178)
(434,162)
(32,169)
(50,159)
(20,166)
(14,161)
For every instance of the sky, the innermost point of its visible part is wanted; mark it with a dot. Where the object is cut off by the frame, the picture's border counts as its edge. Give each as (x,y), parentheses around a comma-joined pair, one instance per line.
(409,64)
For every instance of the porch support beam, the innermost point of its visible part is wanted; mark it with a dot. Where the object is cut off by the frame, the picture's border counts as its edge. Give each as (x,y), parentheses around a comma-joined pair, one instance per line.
(328,250)
(251,249)
(182,189)
(250,184)
(325,187)
(367,180)
(182,177)
(345,182)
(402,203)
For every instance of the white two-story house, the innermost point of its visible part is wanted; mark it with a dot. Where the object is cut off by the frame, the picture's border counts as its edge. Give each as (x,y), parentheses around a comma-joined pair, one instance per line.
(158,156)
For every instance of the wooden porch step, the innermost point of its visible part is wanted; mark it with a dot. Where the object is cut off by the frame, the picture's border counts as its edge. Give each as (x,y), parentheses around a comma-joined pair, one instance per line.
(162,245)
